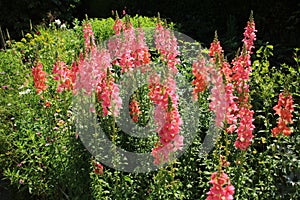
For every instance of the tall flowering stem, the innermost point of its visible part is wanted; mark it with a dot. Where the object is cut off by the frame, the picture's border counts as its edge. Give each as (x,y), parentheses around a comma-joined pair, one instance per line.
(94,75)
(284,109)
(238,116)
(39,77)
(217,98)
(163,94)
(240,78)
(238,113)
(217,57)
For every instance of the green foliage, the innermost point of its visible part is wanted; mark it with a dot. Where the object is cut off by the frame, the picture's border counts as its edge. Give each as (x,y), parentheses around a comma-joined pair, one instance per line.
(277,159)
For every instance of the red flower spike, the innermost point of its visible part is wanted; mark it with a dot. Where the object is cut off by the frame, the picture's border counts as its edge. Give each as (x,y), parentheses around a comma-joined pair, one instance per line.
(221,189)
(284,109)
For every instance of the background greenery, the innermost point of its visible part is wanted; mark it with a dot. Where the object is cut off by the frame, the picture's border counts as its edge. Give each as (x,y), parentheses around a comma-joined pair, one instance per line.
(278,21)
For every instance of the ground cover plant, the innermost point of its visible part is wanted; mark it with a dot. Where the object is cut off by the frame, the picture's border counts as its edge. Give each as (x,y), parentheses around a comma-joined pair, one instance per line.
(253,106)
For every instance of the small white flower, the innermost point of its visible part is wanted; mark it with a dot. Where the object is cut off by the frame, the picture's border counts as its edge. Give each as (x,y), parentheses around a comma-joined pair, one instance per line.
(25,92)
(58,22)
(63,26)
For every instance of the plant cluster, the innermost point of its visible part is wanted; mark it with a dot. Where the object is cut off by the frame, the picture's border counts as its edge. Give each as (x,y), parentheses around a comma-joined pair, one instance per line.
(255,156)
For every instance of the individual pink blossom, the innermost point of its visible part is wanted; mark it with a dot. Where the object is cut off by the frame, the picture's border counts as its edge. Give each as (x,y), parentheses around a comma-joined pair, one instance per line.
(108,95)
(249,35)
(221,189)
(245,129)
(21,181)
(89,39)
(63,75)
(98,168)
(166,116)
(231,108)
(128,48)
(200,72)
(134,110)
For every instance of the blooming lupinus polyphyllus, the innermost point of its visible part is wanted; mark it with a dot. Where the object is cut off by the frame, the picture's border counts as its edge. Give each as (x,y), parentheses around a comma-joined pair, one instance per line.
(221,189)
(39,77)
(284,109)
